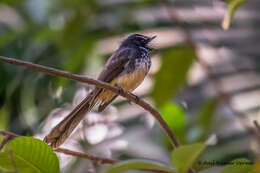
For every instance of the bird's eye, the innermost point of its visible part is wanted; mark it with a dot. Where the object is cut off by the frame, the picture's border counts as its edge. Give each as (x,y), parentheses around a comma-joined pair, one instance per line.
(143,41)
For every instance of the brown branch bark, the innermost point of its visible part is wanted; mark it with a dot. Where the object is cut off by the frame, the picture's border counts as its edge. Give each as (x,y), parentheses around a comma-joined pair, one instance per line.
(85,156)
(80,78)
(10,134)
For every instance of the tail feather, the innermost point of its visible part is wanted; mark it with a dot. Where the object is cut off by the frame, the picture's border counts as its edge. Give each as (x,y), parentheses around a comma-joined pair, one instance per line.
(62,131)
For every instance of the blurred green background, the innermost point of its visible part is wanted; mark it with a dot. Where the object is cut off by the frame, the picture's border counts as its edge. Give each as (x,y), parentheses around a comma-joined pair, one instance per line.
(216,104)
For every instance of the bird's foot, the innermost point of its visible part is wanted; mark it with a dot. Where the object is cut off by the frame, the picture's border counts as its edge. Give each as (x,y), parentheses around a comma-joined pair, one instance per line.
(120,90)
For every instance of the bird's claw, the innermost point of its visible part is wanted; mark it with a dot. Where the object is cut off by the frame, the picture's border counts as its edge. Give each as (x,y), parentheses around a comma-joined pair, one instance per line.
(120,90)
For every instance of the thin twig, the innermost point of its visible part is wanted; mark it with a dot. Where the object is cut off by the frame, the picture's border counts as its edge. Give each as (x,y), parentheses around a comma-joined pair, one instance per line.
(85,156)
(100,84)
(10,134)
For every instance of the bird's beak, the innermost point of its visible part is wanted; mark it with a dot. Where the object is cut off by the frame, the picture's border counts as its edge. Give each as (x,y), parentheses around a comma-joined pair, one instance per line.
(148,42)
(151,38)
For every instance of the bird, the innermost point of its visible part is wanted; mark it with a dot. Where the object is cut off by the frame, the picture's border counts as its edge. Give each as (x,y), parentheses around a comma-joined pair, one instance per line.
(126,68)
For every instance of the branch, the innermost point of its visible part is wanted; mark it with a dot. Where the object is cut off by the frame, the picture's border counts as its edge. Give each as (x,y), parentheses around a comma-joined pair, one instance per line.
(100,84)
(85,156)
(10,134)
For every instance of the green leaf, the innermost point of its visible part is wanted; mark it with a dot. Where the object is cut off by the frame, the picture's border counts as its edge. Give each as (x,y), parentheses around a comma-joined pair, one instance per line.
(233,5)
(9,163)
(175,118)
(205,117)
(29,155)
(201,129)
(138,164)
(207,112)
(172,74)
(184,156)
(238,166)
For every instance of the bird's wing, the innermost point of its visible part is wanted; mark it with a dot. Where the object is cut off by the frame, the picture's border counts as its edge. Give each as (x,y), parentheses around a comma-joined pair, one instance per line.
(116,64)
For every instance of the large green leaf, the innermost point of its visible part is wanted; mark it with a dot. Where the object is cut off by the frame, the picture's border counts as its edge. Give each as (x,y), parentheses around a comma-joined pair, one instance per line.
(138,164)
(233,5)
(28,155)
(184,156)
(172,74)
(238,166)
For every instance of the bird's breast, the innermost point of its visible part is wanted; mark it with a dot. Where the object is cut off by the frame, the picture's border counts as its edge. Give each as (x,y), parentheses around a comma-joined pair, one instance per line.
(130,78)
(130,81)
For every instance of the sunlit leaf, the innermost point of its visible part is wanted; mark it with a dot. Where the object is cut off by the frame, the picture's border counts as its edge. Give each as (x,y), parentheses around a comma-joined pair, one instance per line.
(233,5)
(30,155)
(175,118)
(238,166)
(184,156)
(138,164)
(172,74)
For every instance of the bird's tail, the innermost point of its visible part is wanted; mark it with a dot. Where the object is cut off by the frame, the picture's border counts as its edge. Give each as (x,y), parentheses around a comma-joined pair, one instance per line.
(62,131)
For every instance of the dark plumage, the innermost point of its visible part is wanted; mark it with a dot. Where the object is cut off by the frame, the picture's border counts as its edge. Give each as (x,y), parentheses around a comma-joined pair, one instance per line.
(126,68)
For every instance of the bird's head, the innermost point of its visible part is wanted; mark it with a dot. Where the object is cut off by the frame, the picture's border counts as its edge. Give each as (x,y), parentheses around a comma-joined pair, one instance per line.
(138,40)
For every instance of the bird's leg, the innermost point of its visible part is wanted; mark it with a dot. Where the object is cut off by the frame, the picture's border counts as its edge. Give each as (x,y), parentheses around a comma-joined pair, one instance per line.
(121,90)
